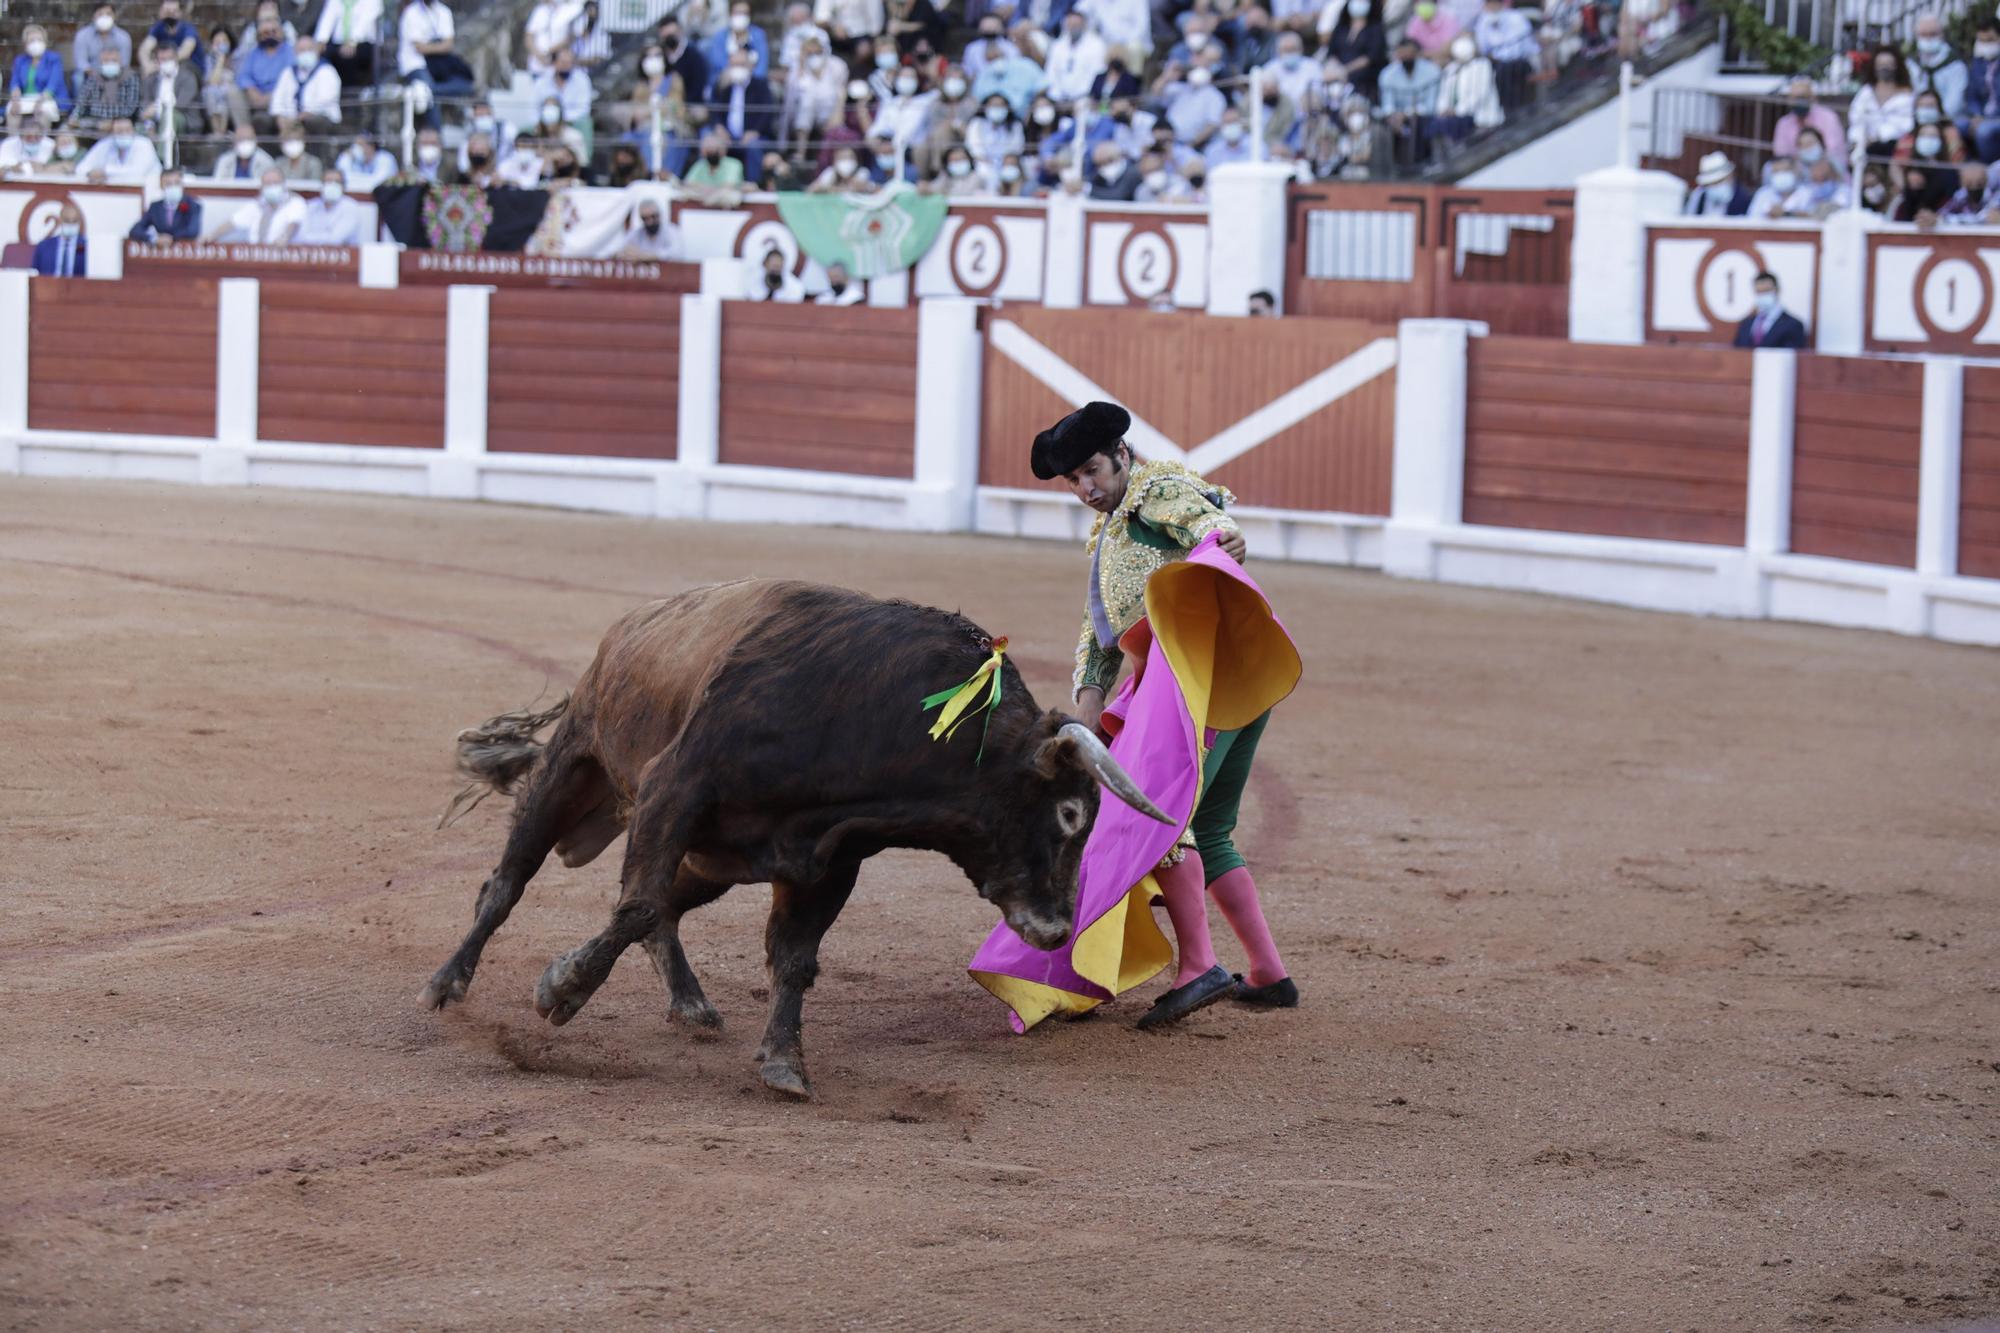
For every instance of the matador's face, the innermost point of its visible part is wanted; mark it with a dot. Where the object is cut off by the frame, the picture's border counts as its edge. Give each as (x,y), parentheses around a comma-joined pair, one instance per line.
(1100,481)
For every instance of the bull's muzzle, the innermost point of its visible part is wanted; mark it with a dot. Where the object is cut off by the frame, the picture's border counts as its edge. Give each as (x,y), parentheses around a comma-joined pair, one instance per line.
(1040,932)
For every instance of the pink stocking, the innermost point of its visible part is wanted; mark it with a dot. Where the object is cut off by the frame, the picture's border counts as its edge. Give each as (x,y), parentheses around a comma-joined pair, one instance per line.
(1236,894)
(1187,908)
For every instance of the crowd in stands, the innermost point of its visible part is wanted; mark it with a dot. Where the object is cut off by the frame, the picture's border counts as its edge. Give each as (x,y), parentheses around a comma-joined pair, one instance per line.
(1913,143)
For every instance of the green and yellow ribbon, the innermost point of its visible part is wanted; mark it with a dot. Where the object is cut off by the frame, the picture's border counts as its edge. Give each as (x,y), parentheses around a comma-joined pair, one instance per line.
(962,701)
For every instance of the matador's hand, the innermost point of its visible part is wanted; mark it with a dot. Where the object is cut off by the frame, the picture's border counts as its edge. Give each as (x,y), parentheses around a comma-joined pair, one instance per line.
(1233,546)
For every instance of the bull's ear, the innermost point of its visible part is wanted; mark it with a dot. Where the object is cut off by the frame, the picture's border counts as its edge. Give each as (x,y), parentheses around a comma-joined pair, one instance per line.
(1056,754)
(1077,744)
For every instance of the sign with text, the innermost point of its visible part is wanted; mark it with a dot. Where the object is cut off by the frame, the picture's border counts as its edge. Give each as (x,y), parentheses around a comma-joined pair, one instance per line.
(1701,278)
(210,259)
(436,267)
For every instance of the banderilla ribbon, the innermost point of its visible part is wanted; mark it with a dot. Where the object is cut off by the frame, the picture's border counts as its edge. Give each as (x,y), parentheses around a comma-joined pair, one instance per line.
(962,701)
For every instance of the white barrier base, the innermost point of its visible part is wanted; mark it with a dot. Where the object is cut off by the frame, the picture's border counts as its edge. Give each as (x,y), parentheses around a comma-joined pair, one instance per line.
(1273,534)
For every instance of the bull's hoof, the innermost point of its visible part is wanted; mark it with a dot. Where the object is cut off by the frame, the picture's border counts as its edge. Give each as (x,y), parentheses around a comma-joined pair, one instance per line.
(699,1017)
(787,1078)
(447,985)
(561,994)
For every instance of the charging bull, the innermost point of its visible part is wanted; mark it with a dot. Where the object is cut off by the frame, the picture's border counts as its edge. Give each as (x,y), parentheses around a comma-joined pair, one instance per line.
(767,731)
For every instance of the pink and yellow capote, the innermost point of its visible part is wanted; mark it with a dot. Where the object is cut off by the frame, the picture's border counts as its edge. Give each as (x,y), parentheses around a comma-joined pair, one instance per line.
(1212,657)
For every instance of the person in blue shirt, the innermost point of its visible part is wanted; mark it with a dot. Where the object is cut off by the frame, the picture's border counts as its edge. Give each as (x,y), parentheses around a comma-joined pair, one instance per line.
(259,69)
(739,33)
(176,35)
(37,74)
(62,254)
(172,217)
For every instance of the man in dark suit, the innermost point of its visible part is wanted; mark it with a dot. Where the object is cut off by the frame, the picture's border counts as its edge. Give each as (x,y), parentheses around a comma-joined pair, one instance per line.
(741,106)
(62,255)
(1769,325)
(172,217)
(1717,193)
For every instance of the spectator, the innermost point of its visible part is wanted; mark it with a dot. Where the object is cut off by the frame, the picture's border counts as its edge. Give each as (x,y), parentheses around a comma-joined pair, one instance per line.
(1157,185)
(1916,200)
(1779,182)
(1256,42)
(1358,44)
(1040,127)
(774,283)
(499,133)
(1230,142)
(1195,174)
(916,29)
(1012,75)
(430,168)
(1930,118)
(1112,177)
(37,85)
(67,153)
(1173,154)
(952,115)
(988,44)
(742,107)
(520,166)
(172,217)
(840,289)
(63,254)
(567,89)
(649,236)
(1938,68)
(100,35)
(1805,113)
(171,36)
(626,166)
(307,98)
(218,83)
(780,175)
(589,42)
(273,217)
(111,91)
(878,160)
(996,135)
(717,177)
(1352,146)
(477,161)
(1884,111)
(346,37)
(295,162)
(1717,193)
(243,160)
(425,53)
(1075,60)
(363,166)
(332,218)
(815,93)
(1468,93)
(1123,24)
(26,151)
(1294,75)
(1114,81)
(1770,325)
(550,25)
(1934,146)
(171,85)
(1197,35)
(1012,178)
(1822,191)
(120,157)
(848,21)
(844,175)
(1976,203)
(798,26)
(551,128)
(739,35)
(1409,95)
(905,118)
(1263,305)
(1876,194)
(1194,104)
(960,177)
(882,81)
(258,71)
(1432,30)
(565,168)
(1982,94)
(684,60)
(1506,36)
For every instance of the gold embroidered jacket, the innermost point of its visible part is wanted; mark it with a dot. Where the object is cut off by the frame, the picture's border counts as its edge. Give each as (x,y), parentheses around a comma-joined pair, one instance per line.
(1166,512)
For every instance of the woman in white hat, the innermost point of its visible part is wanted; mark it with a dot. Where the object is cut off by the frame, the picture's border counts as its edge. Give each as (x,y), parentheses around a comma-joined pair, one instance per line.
(1717,193)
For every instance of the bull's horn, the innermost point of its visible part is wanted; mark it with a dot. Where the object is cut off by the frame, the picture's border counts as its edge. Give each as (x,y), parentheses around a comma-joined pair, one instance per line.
(1097,759)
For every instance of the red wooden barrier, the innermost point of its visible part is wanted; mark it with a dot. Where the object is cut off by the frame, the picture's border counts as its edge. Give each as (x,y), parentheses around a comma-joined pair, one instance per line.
(1854,467)
(1979,476)
(830,388)
(583,372)
(128,358)
(351,365)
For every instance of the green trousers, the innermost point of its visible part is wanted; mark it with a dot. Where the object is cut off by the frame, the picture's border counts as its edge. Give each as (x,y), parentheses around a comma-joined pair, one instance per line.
(1222,777)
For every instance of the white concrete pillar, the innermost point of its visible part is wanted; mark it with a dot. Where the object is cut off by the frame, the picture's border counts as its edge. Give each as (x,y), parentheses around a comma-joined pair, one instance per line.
(381,264)
(891,290)
(724,278)
(468,315)
(681,491)
(236,363)
(1842,320)
(13,367)
(1428,475)
(949,351)
(1246,234)
(1938,471)
(1063,252)
(1767,503)
(1607,269)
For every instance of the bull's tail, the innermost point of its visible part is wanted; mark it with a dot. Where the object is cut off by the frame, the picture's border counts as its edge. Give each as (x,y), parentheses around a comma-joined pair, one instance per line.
(497,754)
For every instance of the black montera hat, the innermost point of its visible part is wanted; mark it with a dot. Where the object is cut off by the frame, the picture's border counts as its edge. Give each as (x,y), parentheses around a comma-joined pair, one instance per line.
(1094,428)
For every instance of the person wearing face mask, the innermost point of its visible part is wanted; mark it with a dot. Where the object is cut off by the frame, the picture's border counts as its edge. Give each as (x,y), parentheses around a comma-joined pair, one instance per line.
(346,38)
(174,216)
(93,39)
(905,116)
(1883,111)
(299,167)
(958,178)
(952,113)
(1113,177)
(1936,144)
(1939,69)
(331,218)
(171,36)
(272,218)
(995,135)
(1123,24)
(27,151)
(1717,192)
(1432,29)
(649,237)
(1198,38)
(122,157)
(258,68)
(1250,36)
(171,84)
(1115,81)
(1975,203)
(841,289)
(427,53)
(1194,104)
(1291,73)
(1506,36)
(798,26)
(241,160)
(548,31)
(1075,60)
(1877,195)
(567,91)
(1781,178)
(917,30)
(1806,113)
(1157,183)
(1012,180)
(845,174)
(520,167)
(110,92)
(1769,324)
(1822,190)
(815,95)
(1982,93)
(498,132)
(363,166)
(684,58)
(1230,142)
(218,86)
(430,166)
(850,21)
(1357,41)
(1409,95)
(987,45)
(714,177)
(743,107)
(1468,95)
(37,85)
(307,98)
(738,34)
(64,252)
(878,162)
(773,281)
(1010,74)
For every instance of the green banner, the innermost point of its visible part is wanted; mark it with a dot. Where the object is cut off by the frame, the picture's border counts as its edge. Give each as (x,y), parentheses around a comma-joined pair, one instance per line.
(872,234)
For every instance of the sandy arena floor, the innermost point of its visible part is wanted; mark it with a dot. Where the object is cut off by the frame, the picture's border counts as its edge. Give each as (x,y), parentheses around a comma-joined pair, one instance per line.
(1650,970)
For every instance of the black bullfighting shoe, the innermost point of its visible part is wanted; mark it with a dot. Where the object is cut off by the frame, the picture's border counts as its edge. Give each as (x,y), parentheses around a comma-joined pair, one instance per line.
(1280,994)
(1181,1001)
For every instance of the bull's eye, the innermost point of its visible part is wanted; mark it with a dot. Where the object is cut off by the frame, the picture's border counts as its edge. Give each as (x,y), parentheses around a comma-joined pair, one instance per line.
(1072,815)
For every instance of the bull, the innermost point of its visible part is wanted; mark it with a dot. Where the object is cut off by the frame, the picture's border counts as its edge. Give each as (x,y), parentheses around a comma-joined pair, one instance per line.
(769,731)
